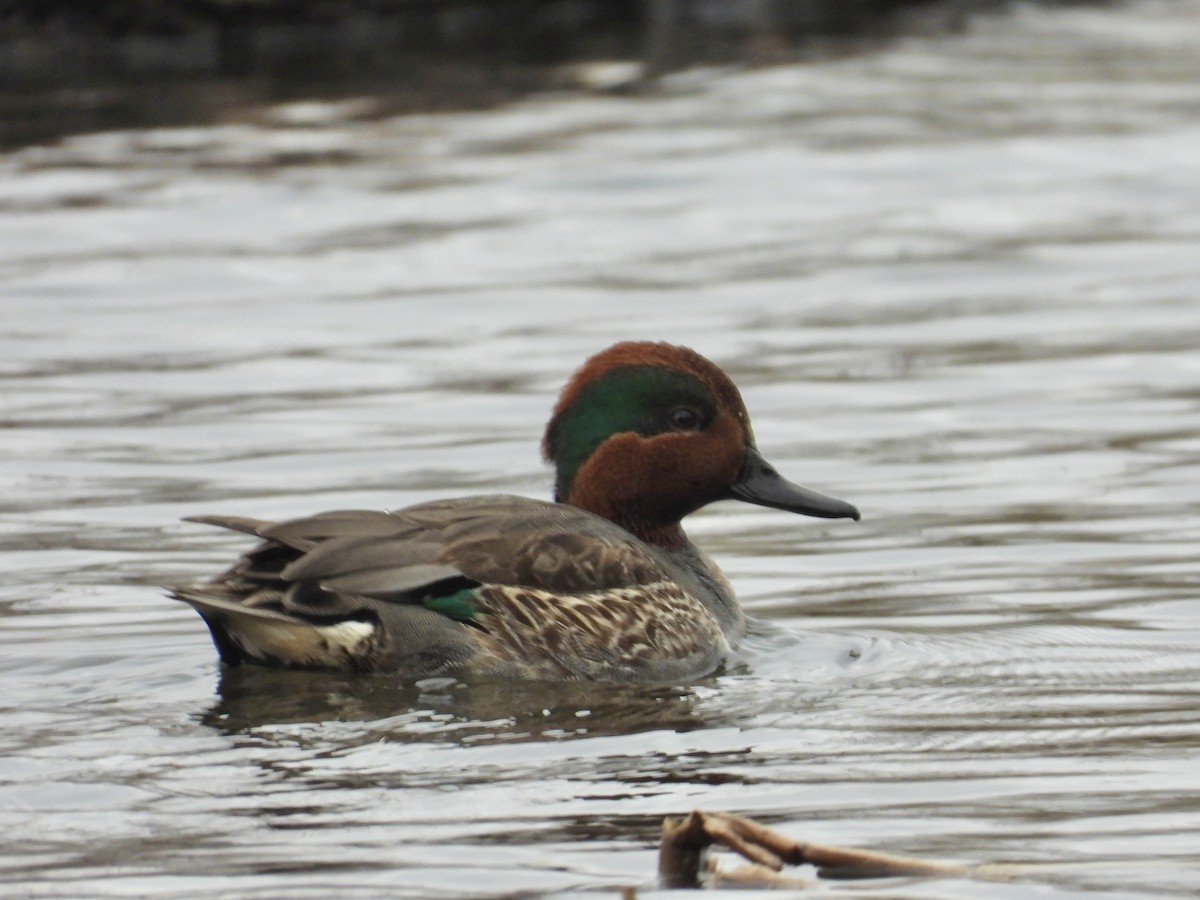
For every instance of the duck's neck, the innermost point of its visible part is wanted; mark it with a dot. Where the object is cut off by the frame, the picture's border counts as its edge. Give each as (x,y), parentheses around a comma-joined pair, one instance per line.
(668,537)
(661,531)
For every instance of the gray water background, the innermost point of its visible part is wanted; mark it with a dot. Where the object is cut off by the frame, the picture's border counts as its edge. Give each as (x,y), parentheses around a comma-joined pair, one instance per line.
(958,280)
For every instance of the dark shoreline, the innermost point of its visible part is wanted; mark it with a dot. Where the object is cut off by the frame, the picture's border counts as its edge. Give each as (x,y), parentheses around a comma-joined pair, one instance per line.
(74,66)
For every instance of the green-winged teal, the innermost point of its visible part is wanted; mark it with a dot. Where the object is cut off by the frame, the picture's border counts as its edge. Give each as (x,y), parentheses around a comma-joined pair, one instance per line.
(601,585)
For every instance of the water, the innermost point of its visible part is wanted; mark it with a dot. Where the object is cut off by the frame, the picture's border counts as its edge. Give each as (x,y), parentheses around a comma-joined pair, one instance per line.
(957,280)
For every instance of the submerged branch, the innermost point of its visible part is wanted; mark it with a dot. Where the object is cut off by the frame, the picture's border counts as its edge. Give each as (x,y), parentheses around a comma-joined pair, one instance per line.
(681,859)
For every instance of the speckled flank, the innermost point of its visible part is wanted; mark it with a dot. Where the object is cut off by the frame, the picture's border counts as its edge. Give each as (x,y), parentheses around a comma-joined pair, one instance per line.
(616,635)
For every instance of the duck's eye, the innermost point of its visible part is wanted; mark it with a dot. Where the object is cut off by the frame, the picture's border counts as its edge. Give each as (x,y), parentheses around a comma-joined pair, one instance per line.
(683,418)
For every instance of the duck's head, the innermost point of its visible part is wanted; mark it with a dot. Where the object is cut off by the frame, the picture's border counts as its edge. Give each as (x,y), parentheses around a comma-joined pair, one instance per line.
(645,433)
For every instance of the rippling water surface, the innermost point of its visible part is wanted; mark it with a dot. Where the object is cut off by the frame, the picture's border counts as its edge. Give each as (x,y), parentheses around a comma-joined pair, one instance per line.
(958,280)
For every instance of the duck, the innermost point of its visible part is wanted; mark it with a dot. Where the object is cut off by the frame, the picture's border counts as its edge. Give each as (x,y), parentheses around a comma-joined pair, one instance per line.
(600,585)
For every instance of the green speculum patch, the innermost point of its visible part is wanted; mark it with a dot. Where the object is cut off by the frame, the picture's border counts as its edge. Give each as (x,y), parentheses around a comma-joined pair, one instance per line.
(459,606)
(634,399)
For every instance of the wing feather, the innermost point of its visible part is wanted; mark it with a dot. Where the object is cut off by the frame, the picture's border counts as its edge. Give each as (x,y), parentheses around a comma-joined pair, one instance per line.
(397,556)
(393,582)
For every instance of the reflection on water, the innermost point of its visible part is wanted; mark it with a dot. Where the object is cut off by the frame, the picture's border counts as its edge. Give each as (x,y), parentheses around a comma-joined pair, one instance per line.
(956,280)
(446,709)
